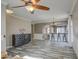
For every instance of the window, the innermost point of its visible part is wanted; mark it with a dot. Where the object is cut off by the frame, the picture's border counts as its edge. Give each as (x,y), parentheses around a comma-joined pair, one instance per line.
(60,30)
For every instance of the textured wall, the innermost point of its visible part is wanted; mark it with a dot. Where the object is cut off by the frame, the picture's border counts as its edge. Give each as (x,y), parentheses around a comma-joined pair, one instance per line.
(75,28)
(16,26)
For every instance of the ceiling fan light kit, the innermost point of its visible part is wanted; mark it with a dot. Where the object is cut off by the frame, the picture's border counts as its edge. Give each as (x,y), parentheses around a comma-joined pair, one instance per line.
(9,11)
(29,8)
(31,5)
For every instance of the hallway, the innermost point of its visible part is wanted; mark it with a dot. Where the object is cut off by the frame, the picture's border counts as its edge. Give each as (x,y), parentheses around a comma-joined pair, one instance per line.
(43,49)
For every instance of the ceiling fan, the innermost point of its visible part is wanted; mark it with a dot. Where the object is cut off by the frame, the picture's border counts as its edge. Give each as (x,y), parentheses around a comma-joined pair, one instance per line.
(32,5)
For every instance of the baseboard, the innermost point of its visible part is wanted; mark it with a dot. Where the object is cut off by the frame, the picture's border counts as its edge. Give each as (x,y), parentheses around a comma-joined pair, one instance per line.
(9,47)
(38,39)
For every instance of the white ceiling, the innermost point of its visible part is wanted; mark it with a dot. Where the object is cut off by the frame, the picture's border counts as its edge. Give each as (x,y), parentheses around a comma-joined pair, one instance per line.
(58,8)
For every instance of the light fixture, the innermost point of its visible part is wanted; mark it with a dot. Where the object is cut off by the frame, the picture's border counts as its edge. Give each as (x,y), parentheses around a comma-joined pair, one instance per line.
(30,9)
(9,11)
(53,21)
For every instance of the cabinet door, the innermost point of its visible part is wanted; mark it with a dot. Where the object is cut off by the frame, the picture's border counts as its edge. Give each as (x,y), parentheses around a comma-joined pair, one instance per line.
(3,27)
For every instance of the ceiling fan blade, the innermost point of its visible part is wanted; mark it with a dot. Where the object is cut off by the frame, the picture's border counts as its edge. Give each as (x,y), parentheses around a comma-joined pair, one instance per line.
(18,6)
(40,7)
(35,1)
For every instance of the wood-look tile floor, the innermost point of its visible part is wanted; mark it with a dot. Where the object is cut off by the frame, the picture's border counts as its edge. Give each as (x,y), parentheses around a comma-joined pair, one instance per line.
(43,49)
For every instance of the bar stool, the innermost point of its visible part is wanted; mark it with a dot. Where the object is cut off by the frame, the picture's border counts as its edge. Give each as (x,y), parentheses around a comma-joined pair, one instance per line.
(58,37)
(61,37)
(64,38)
(53,38)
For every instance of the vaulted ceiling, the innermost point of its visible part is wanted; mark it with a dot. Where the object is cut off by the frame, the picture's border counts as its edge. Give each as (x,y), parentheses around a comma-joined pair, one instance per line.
(60,9)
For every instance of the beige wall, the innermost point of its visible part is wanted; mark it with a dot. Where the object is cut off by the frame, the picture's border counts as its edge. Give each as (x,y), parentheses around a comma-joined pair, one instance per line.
(15,26)
(75,28)
(3,27)
(39,27)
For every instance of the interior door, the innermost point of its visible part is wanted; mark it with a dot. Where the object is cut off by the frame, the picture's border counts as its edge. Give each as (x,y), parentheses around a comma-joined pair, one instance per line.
(3,28)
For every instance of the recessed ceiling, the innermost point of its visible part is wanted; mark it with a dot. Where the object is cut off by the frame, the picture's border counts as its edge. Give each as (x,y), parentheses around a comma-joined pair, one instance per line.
(58,9)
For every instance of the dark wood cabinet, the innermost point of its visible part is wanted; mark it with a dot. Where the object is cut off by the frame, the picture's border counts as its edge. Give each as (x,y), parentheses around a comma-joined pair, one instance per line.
(20,39)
